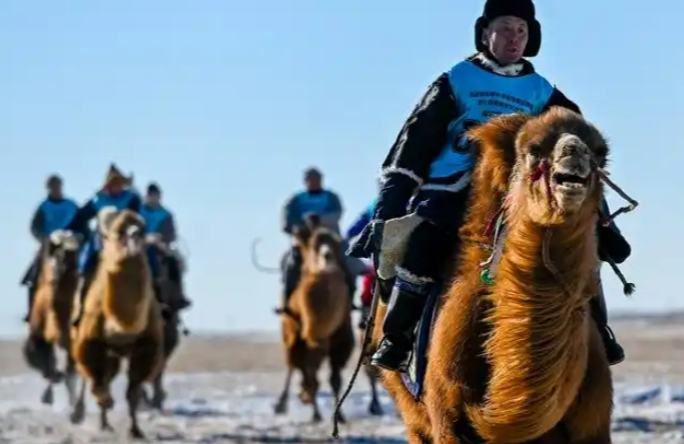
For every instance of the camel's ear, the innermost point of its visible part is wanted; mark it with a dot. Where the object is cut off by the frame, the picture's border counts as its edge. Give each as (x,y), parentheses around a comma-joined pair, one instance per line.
(105,219)
(495,146)
(301,235)
(312,221)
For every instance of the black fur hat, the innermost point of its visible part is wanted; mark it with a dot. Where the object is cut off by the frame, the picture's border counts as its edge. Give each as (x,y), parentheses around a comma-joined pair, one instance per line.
(518,8)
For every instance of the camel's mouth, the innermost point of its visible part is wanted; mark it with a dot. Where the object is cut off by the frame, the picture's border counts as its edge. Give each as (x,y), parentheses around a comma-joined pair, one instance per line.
(570,187)
(569,181)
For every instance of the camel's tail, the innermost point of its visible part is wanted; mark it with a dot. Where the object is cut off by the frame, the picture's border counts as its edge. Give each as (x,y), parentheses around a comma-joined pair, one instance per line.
(257,264)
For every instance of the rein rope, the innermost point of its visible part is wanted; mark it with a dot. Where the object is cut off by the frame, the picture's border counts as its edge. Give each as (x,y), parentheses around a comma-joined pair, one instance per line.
(543,171)
(367,337)
(603,175)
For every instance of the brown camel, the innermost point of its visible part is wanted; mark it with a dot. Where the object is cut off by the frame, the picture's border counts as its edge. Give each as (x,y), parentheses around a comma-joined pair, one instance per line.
(521,360)
(49,317)
(121,319)
(317,324)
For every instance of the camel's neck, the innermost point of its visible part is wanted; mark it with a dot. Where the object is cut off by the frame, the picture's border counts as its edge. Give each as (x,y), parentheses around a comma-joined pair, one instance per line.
(538,346)
(128,293)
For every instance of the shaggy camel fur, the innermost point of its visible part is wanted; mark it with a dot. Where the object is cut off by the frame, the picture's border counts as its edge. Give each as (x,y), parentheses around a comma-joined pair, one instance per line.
(521,361)
(49,318)
(121,319)
(317,324)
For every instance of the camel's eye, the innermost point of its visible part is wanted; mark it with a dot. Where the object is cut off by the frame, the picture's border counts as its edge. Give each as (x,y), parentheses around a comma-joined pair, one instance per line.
(601,151)
(535,150)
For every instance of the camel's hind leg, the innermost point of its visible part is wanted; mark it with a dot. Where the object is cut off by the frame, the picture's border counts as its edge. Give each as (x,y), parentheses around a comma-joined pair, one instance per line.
(374,408)
(70,379)
(102,393)
(159,395)
(336,385)
(171,339)
(281,406)
(339,352)
(309,391)
(78,411)
(40,354)
(144,363)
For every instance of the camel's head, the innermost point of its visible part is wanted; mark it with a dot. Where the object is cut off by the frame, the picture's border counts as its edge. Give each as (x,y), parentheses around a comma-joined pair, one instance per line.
(320,247)
(123,237)
(62,254)
(555,177)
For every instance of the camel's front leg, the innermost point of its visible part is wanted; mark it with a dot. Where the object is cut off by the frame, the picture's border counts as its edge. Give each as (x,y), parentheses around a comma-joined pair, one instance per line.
(78,412)
(145,362)
(281,405)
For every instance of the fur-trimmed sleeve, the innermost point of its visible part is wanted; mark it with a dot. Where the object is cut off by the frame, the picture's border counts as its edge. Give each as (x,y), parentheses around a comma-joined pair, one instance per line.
(419,142)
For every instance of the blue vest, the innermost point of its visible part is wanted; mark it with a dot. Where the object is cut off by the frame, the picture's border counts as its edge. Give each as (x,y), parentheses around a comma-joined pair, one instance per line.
(57,214)
(154,218)
(480,95)
(120,201)
(317,203)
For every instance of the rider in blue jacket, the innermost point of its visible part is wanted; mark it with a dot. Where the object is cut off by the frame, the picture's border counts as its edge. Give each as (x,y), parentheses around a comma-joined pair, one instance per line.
(115,192)
(159,221)
(54,213)
(428,169)
(313,201)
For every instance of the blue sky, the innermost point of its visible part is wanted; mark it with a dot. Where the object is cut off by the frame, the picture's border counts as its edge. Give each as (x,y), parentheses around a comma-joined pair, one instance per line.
(224,103)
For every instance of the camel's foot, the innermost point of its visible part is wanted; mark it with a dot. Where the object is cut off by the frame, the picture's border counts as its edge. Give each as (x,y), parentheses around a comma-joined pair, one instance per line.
(340,418)
(281,406)
(104,422)
(106,403)
(55,377)
(136,433)
(317,417)
(145,400)
(375,408)
(78,414)
(104,398)
(158,399)
(305,397)
(48,396)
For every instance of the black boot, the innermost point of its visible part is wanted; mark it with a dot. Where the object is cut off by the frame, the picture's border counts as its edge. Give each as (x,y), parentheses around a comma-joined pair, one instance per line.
(291,270)
(404,311)
(166,310)
(31,298)
(614,351)
(30,280)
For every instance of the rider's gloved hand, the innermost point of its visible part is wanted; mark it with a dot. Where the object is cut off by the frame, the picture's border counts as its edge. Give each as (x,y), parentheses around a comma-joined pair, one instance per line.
(613,244)
(369,242)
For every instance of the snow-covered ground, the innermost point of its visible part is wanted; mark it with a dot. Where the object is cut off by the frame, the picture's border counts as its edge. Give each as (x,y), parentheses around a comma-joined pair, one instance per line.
(222,390)
(212,408)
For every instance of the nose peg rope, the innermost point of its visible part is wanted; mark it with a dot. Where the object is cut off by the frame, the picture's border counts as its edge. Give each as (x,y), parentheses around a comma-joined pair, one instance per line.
(633,204)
